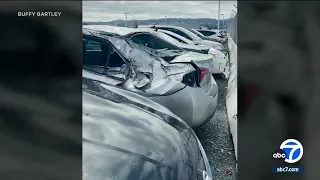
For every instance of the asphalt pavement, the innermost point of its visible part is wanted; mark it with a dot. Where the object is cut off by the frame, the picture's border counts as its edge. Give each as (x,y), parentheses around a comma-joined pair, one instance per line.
(216,139)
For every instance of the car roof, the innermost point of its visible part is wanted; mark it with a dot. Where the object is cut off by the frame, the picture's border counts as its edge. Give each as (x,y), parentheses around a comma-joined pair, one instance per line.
(185,30)
(123,31)
(94,32)
(168,26)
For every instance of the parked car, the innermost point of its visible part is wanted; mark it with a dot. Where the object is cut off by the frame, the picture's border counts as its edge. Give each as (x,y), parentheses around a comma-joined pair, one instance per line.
(184,33)
(165,46)
(223,32)
(127,136)
(204,37)
(220,59)
(184,88)
(181,39)
(211,34)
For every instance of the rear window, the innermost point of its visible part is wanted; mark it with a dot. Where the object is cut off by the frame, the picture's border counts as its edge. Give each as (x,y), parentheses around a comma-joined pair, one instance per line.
(207,33)
(153,42)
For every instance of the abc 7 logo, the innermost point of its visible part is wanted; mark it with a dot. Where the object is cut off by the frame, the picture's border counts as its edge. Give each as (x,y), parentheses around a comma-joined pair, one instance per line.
(291,151)
(279,154)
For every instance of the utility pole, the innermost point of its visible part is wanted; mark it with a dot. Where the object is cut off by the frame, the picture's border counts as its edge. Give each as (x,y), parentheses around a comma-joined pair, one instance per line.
(126,18)
(222,21)
(165,19)
(219,16)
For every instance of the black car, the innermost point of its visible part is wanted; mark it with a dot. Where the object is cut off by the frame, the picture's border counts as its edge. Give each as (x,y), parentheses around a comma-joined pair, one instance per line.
(129,137)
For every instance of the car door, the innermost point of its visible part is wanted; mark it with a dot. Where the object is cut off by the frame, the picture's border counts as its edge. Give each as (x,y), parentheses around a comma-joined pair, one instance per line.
(103,62)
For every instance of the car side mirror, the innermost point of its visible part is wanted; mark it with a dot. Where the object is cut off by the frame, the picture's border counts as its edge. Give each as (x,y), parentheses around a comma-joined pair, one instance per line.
(141,80)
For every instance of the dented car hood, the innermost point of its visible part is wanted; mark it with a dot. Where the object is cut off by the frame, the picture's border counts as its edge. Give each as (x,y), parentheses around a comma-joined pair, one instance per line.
(201,60)
(172,56)
(164,77)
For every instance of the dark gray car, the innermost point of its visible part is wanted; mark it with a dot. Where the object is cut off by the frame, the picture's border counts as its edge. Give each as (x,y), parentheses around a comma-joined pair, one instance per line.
(129,137)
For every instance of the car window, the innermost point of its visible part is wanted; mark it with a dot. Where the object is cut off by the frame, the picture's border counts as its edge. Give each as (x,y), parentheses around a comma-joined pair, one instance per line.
(176,31)
(104,59)
(180,40)
(116,66)
(196,33)
(207,33)
(181,33)
(93,45)
(152,42)
(95,55)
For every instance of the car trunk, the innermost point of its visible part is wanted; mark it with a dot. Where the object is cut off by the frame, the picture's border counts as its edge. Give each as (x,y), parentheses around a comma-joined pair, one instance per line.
(201,77)
(201,60)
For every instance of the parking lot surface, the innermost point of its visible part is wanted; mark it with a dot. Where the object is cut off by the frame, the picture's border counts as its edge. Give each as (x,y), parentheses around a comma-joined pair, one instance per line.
(216,139)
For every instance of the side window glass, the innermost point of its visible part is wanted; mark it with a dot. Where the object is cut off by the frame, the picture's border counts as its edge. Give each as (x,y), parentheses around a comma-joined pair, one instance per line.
(154,42)
(208,33)
(103,58)
(93,45)
(177,39)
(116,67)
(95,55)
(144,39)
(137,39)
(181,34)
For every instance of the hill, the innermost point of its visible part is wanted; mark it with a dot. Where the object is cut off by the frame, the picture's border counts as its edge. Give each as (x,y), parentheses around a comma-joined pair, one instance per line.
(184,22)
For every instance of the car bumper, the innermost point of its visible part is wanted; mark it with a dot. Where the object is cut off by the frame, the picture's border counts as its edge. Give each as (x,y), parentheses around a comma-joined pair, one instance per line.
(219,65)
(193,105)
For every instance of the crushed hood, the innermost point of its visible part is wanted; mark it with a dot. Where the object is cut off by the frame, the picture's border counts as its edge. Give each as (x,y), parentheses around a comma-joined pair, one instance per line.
(201,60)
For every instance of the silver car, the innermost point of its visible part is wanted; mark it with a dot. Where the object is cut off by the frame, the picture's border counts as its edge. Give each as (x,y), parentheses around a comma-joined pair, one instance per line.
(162,45)
(185,41)
(213,35)
(220,59)
(184,88)
(184,33)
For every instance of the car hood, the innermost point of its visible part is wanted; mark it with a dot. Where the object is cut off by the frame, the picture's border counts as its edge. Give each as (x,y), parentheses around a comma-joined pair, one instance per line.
(127,139)
(201,60)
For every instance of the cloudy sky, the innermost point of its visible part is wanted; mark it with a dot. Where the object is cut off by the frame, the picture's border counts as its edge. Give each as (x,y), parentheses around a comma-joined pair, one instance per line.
(142,10)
